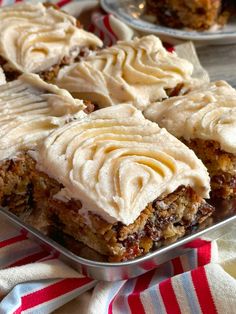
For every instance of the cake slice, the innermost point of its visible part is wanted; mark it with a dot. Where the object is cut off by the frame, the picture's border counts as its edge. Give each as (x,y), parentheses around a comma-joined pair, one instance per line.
(119,183)
(194,14)
(30,110)
(205,120)
(39,38)
(138,72)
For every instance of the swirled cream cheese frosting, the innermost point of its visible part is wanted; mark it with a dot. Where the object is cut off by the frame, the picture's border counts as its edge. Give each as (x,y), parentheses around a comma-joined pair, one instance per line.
(29,110)
(208,113)
(138,72)
(115,162)
(33,37)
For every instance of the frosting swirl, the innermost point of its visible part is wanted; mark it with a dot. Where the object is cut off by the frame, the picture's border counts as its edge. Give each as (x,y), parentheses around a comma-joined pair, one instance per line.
(208,113)
(116,162)
(29,110)
(33,37)
(138,71)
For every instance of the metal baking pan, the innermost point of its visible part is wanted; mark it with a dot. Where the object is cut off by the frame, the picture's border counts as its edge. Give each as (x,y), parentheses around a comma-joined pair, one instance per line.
(222,221)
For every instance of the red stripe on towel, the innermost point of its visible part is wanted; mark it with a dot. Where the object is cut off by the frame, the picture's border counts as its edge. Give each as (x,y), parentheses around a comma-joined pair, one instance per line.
(110,308)
(61,3)
(106,21)
(91,28)
(101,35)
(142,284)
(169,297)
(49,293)
(196,243)
(30,259)
(203,291)
(13,240)
(204,254)
(177,265)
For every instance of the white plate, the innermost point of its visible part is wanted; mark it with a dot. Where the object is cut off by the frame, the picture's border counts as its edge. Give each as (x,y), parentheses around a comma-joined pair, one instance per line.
(131,12)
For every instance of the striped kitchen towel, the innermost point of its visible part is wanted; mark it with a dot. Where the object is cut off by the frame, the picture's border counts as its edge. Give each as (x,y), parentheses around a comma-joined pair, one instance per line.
(34,281)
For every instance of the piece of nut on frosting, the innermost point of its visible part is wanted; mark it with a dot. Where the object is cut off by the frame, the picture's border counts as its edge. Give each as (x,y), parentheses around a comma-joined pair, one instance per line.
(36,38)
(205,120)
(138,72)
(124,185)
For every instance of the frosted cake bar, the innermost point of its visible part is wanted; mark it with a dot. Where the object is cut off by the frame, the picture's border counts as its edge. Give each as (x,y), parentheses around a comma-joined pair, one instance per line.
(120,184)
(138,72)
(30,110)
(205,120)
(39,38)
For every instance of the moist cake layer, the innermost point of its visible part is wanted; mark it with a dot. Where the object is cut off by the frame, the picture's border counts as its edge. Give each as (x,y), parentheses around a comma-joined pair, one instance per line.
(220,164)
(34,37)
(138,71)
(205,119)
(162,221)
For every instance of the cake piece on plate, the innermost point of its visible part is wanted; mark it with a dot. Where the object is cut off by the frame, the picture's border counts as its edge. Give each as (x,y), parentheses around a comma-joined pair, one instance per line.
(36,38)
(193,14)
(119,183)
(30,110)
(205,119)
(138,72)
